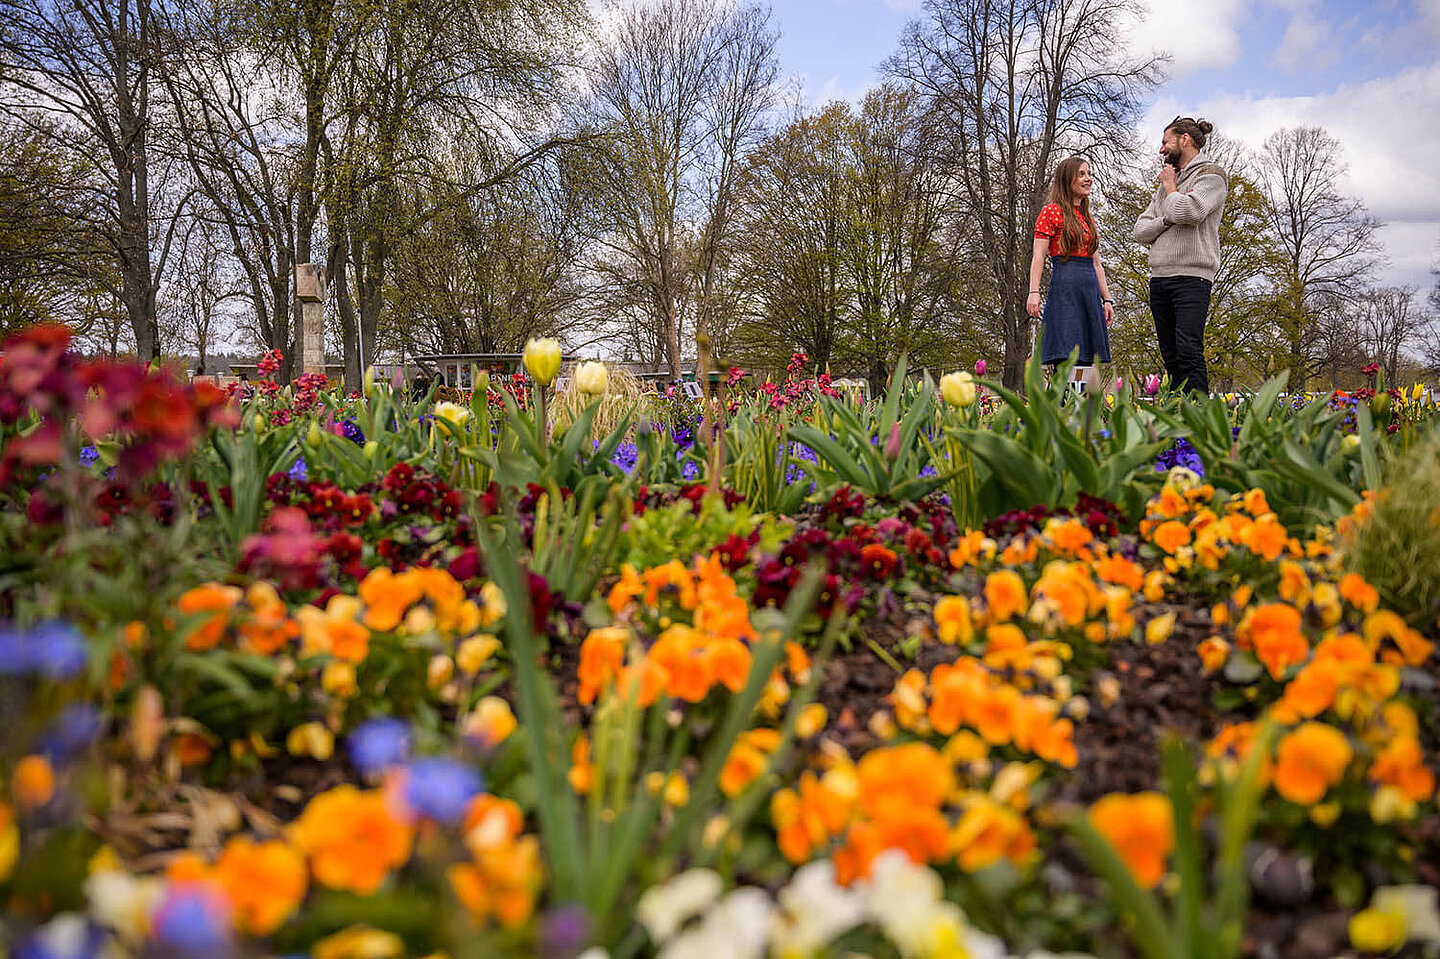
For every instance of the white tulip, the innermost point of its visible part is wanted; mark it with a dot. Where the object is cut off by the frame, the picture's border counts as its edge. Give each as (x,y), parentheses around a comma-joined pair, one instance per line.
(591,378)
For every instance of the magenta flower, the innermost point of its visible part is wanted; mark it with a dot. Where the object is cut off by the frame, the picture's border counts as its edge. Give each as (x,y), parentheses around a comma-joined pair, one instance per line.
(980,367)
(1152,384)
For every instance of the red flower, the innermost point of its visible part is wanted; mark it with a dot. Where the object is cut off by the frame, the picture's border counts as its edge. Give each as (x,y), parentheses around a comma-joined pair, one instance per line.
(448,506)
(878,561)
(541,601)
(357,509)
(466,566)
(735,551)
(345,547)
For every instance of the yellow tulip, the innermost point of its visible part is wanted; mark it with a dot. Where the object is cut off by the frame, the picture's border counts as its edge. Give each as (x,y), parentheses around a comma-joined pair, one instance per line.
(958,389)
(542,360)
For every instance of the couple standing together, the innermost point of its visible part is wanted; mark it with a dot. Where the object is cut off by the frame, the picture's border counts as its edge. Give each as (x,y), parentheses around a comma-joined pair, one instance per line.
(1181,226)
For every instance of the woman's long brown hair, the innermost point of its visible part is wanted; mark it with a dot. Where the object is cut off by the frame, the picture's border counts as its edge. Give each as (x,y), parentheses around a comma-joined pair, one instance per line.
(1072,234)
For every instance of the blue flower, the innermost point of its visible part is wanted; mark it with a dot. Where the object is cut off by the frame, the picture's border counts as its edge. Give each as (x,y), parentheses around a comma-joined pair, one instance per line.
(1181,453)
(55,650)
(625,456)
(72,732)
(194,920)
(379,744)
(300,471)
(353,432)
(89,456)
(441,789)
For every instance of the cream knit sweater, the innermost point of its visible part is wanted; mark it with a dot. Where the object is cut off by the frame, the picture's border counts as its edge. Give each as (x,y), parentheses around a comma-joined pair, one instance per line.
(1183,229)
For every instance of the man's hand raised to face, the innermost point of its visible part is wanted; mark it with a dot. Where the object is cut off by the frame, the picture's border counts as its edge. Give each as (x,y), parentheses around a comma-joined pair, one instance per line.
(1167,178)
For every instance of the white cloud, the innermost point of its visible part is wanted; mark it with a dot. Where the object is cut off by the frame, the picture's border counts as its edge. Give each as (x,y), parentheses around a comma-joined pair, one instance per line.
(1194,38)
(1383,126)
(1307,45)
(903,6)
(1428,15)
(832,89)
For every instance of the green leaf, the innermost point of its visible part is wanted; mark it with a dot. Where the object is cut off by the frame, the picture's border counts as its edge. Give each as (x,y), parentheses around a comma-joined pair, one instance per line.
(1150,932)
(1183,790)
(832,454)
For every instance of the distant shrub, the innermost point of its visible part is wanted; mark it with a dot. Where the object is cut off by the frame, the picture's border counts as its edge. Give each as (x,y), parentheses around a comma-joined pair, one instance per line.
(1396,547)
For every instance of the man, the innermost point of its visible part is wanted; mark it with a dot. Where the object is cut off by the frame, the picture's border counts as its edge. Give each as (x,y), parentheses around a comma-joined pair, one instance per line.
(1181,226)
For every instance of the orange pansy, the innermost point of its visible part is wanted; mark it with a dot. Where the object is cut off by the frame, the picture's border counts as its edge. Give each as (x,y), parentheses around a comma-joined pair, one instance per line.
(1141,827)
(1309,761)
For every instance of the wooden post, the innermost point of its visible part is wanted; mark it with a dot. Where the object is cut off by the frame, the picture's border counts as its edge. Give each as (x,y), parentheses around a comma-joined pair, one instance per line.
(310,290)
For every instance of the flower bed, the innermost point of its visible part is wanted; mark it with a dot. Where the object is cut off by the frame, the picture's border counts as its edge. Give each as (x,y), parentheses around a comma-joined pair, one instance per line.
(776,673)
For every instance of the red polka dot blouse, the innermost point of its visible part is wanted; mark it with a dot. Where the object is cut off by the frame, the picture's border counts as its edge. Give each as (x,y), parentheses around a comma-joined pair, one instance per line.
(1051,225)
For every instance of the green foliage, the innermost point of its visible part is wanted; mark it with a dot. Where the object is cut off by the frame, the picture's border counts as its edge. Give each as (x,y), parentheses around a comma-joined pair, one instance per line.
(1397,549)
(759,460)
(569,549)
(1298,457)
(678,532)
(1050,445)
(244,460)
(525,450)
(875,451)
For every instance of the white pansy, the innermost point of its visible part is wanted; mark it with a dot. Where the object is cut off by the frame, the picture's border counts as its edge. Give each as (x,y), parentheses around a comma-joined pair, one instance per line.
(1417,904)
(67,936)
(907,902)
(1183,479)
(735,928)
(663,909)
(124,903)
(980,945)
(814,909)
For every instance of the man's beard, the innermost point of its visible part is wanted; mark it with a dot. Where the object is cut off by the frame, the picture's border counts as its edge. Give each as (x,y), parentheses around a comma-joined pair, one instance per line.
(1172,157)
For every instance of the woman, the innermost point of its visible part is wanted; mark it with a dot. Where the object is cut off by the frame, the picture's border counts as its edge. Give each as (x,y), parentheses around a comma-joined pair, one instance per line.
(1079,309)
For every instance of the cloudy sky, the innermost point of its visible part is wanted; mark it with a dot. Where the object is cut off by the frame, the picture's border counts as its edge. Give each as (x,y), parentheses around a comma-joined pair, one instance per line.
(1368,71)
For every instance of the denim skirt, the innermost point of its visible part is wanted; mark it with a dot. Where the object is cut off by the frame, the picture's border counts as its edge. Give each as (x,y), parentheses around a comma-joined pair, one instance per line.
(1074,315)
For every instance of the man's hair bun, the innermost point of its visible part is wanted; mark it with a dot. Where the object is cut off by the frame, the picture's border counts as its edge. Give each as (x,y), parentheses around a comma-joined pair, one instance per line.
(1206,127)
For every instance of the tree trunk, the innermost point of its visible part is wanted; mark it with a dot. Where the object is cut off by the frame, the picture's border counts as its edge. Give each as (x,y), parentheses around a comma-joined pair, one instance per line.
(336,262)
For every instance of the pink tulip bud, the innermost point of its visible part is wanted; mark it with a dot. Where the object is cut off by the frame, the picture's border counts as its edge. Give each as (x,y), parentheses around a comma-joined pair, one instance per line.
(892,444)
(1152,384)
(979,367)
(1119,384)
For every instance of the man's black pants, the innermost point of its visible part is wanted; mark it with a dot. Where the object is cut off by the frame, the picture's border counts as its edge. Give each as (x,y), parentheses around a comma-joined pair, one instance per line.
(1179,305)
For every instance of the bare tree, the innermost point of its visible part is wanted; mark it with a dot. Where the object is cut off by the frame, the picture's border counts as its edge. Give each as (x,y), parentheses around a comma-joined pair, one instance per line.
(1012,83)
(793,205)
(195,299)
(486,275)
(679,89)
(82,71)
(238,144)
(1328,241)
(1390,326)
